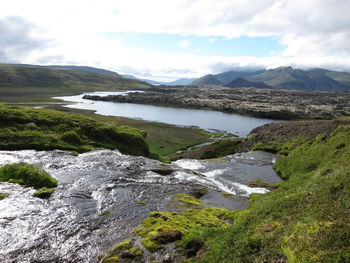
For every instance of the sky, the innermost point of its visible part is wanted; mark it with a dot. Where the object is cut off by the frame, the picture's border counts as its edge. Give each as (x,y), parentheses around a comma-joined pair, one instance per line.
(170,39)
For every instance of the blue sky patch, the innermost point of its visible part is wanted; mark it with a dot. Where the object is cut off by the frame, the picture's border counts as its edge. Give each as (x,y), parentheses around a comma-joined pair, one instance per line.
(200,45)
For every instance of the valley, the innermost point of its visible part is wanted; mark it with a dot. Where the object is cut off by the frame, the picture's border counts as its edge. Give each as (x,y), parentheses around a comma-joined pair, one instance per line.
(132,190)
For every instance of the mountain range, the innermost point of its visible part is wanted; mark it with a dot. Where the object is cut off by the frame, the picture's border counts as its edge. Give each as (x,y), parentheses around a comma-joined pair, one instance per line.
(281,78)
(286,78)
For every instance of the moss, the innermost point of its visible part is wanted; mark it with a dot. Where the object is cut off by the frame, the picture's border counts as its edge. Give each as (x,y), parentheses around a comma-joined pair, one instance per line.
(260,183)
(105,213)
(185,200)
(151,245)
(4,195)
(191,223)
(141,203)
(111,260)
(114,254)
(44,192)
(26,174)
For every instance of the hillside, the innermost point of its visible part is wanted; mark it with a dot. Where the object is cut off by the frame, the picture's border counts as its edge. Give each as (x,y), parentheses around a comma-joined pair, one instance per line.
(207,80)
(244,83)
(24,128)
(229,76)
(289,78)
(22,80)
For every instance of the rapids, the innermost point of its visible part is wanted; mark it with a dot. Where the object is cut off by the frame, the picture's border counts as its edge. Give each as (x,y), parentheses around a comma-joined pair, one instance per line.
(102,195)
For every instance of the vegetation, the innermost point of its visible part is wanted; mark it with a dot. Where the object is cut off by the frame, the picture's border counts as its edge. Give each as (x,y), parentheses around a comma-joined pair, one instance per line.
(36,81)
(44,192)
(26,174)
(25,128)
(3,195)
(191,223)
(218,149)
(306,219)
(124,252)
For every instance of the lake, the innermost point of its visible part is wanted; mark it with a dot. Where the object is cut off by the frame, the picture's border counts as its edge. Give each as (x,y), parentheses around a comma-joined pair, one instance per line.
(208,120)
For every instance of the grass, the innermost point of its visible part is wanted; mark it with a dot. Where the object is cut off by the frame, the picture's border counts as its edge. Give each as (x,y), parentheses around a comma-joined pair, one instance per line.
(25,128)
(26,174)
(306,219)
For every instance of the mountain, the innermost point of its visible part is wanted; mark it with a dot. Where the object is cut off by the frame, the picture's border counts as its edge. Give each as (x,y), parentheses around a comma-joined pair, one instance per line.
(31,80)
(207,80)
(242,83)
(149,81)
(297,79)
(341,77)
(182,81)
(83,68)
(229,76)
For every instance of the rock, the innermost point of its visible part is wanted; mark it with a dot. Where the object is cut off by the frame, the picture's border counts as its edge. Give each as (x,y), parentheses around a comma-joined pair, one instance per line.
(193,246)
(168,236)
(127,254)
(167,259)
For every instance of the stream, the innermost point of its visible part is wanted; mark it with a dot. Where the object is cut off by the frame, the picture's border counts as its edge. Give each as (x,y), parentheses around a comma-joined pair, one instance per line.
(102,195)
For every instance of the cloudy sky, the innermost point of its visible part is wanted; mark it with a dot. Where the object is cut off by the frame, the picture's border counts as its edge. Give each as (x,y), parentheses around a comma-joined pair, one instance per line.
(170,39)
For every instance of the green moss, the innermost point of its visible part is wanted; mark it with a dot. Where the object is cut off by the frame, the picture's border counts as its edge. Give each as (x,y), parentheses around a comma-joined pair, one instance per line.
(111,260)
(105,213)
(4,195)
(141,203)
(26,174)
(151,245)
(186,200)
(191,223)
(115,253)
(260,183)
(44,192)
(25,128)
(124,244)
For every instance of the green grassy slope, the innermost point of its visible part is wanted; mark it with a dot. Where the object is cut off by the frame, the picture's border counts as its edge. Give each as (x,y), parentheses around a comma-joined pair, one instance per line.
(306,219)
(21,80)
(25,128)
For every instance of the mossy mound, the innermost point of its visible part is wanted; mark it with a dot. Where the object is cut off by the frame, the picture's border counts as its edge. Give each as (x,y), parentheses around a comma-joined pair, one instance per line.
(4,195)
(26,174)
(44,192)
(24,128)
(306,219)
(164,227)
(124,252)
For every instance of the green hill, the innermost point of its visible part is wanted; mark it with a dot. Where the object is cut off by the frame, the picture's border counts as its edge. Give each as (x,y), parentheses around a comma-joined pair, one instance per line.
(24,128)
(36,81)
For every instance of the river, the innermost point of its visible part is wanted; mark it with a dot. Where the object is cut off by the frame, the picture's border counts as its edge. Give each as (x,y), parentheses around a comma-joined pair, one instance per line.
(208,120)
(71,226)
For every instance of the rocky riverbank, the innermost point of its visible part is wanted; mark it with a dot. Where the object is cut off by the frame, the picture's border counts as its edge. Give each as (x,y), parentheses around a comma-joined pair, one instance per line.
(264,103)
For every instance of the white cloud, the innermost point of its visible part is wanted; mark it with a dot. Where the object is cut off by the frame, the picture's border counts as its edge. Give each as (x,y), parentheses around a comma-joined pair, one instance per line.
(212,40)
(184,44)
(314,32)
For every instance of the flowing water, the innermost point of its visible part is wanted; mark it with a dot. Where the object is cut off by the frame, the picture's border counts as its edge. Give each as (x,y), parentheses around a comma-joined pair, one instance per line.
(208,120)
(71,226)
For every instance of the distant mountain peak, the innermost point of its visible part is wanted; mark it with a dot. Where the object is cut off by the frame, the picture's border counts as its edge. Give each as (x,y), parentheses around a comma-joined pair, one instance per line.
(207,80)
